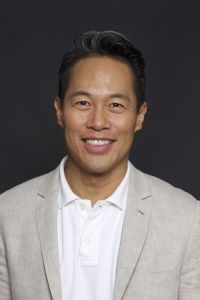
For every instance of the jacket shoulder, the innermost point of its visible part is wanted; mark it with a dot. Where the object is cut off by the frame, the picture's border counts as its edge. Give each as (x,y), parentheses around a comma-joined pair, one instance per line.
(170,196)
(26,190)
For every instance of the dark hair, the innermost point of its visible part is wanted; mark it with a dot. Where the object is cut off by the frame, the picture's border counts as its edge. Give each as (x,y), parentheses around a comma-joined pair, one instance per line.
(105,43)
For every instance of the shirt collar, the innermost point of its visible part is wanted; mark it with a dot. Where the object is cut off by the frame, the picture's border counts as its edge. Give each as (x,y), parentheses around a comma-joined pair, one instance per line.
(118,197)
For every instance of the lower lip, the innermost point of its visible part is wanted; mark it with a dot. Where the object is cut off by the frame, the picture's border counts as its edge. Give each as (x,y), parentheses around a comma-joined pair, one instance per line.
(102,149)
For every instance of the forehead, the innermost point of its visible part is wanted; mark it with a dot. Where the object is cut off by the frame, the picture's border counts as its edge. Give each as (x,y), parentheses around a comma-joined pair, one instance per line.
(102,73)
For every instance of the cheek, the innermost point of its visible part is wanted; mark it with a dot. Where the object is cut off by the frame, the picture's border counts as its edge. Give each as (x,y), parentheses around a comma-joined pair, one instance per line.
(125,126)
(73,122)
(73,127)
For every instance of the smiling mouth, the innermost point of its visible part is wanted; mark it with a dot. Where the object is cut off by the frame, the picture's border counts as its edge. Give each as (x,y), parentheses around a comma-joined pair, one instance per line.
(95,142)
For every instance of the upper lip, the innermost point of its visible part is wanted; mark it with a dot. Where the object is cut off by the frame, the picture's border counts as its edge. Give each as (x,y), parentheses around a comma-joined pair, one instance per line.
(98,138)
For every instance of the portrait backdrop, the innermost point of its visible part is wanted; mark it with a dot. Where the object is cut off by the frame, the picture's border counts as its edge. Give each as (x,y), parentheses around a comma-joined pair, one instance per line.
(34,37)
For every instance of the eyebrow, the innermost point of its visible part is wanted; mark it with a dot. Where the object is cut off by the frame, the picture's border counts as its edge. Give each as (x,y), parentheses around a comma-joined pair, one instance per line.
(120,95)
(115,95)
(80,93)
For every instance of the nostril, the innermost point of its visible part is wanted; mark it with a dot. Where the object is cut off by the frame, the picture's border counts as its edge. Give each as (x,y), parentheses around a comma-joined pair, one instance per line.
(98,122)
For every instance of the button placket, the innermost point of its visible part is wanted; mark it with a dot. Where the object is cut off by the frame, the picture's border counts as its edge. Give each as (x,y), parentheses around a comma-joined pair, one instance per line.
(90,240)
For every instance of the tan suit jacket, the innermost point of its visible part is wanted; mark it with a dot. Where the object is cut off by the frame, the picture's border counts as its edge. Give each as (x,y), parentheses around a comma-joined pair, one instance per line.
(159,256)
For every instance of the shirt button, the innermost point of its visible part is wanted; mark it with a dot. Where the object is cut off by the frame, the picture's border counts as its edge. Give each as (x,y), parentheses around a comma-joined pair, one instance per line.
(82,206)
(88,242)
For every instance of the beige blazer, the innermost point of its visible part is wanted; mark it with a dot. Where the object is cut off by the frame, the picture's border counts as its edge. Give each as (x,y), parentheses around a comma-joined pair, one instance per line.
(159,256)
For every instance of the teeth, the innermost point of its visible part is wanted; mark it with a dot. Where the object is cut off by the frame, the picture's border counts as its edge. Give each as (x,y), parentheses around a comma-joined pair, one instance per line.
(98,142)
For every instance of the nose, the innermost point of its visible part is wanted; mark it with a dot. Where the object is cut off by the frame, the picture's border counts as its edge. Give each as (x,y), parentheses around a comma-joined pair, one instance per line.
(98,119)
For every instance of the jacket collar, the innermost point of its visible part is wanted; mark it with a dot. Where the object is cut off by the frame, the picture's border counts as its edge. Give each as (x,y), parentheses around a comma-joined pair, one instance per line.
(46,218)
(135,229)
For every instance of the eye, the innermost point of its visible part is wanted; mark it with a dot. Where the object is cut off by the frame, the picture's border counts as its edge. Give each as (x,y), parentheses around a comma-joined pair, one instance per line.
(116,107)
(82,104)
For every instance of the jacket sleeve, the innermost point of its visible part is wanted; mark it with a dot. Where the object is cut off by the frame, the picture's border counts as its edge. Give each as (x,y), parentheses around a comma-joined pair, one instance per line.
(5,292)
(190,272)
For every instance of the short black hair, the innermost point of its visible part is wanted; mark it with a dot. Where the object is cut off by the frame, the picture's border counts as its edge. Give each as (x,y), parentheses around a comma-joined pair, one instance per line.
(104,43)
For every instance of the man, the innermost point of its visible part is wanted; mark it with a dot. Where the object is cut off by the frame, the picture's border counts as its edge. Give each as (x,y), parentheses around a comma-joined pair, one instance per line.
(96,228)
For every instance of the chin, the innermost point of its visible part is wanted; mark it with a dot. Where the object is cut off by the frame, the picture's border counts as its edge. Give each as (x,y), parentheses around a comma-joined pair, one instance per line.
(99,167)
(96,170)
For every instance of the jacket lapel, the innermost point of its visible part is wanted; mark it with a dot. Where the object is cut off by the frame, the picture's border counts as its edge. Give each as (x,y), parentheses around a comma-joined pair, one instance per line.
(135,228)
(46,216)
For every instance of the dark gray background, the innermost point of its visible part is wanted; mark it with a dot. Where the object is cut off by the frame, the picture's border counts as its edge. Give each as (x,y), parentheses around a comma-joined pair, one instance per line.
(34,36)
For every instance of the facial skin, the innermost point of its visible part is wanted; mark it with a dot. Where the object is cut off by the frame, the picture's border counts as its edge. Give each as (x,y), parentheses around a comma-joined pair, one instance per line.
(100,107)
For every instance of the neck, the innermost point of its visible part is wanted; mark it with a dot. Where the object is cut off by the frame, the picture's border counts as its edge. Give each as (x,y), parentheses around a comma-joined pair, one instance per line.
(93,186)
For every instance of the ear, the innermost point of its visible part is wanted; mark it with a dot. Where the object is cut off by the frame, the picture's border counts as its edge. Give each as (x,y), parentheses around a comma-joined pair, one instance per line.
(59,111)
(140,117)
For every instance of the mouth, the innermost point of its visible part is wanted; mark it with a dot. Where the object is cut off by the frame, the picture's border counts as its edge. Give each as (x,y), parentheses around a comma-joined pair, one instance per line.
(98,142)
(98,146)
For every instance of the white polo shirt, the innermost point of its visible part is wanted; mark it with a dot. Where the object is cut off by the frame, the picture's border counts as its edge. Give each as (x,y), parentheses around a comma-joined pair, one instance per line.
(89,239)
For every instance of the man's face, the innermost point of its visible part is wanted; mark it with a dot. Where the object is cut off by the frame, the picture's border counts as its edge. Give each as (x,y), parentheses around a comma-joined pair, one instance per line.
(99,115)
